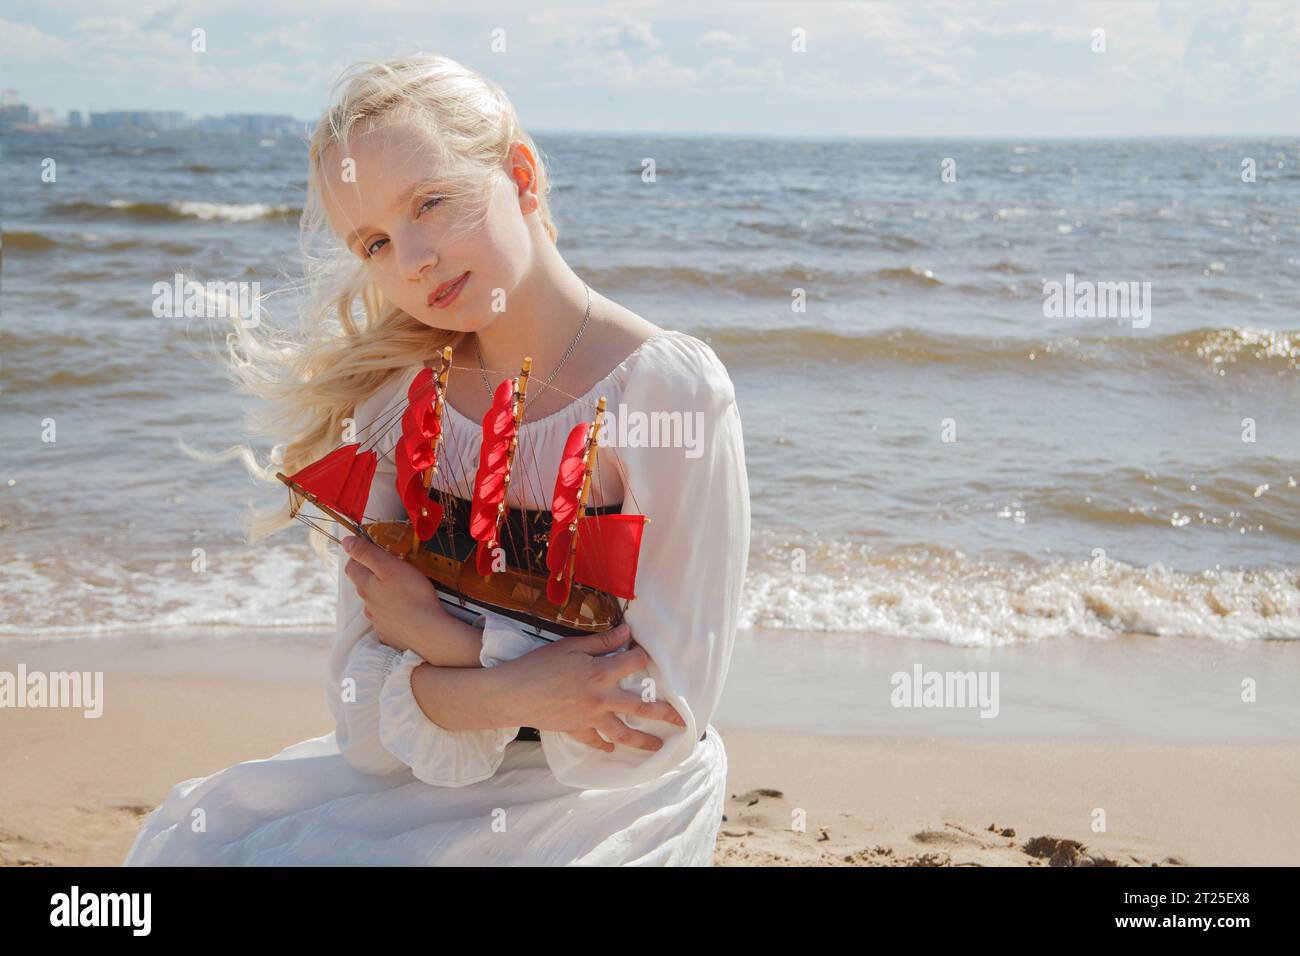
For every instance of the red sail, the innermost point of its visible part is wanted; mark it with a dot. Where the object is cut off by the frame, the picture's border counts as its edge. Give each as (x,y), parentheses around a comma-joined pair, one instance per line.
(608,549)
(564,511)
(424,512)
(416,452)
(422,421)
(417,443)
(608,545)
(490,479)
(340,480)
(568,482)
(423,380)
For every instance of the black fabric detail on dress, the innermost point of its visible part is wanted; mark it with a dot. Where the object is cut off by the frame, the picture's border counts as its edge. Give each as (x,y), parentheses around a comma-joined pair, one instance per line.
(532,733)
(453,538)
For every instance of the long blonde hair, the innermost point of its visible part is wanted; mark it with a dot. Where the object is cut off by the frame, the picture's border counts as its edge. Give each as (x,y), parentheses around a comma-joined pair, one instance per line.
(314,378)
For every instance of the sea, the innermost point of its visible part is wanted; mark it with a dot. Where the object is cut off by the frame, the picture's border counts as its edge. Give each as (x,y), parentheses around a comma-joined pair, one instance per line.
(992,392)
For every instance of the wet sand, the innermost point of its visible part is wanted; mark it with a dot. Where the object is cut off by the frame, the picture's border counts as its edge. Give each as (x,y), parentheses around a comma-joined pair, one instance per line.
(1064,775)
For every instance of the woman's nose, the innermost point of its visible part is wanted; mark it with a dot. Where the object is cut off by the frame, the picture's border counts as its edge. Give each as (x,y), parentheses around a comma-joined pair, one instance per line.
(416,257)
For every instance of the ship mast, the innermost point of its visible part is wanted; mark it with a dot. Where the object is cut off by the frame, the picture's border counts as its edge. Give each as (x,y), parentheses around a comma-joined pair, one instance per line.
(589,461)
(439,393)
(487,539)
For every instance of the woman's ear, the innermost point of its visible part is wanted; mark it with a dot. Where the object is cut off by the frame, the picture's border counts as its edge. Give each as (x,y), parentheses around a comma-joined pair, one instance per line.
(524,169)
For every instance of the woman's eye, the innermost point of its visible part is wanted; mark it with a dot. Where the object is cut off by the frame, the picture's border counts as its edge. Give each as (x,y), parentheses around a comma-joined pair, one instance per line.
(431,201)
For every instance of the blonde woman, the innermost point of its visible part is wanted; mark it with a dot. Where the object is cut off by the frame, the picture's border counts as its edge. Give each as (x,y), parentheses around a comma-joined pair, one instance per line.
(459,738)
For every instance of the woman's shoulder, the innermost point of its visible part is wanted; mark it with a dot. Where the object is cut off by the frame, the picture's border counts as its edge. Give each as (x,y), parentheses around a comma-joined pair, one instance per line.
(681,369)
(670,363)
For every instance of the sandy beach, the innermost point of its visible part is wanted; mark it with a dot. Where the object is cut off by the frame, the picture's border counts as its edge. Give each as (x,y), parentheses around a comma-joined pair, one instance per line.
(76,789)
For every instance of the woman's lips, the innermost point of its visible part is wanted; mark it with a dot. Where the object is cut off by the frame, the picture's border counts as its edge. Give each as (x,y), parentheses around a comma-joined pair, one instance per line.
(451,290)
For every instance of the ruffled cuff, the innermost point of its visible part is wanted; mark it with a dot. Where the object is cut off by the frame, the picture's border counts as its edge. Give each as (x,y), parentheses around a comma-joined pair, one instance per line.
(443,758)
(355,702)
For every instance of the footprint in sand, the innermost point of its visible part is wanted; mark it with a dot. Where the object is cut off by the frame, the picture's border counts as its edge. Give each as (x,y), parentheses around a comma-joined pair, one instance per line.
(951,837)
(755,809)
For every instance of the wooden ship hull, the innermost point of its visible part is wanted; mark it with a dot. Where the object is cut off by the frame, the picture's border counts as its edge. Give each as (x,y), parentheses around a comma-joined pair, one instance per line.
(513,592)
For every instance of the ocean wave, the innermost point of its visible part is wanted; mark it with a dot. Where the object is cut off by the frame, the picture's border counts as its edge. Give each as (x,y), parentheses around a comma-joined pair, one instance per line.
(270,586)
(909,276)
(918,593)
(1240,349)
(170,247)
(766,284)
(835,234)
(28,242)
(177,210)
(36,242)
(1219,498)
(67,380)
(943,595)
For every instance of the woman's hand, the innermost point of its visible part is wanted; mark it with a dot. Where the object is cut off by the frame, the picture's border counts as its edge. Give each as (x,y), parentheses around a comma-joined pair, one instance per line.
(401,603)
(568,686)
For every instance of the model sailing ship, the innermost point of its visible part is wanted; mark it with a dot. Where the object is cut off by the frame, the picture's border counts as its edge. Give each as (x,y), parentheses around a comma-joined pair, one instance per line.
(479,553)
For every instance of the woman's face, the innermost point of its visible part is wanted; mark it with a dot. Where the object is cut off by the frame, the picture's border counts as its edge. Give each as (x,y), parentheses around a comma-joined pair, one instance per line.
(386,205)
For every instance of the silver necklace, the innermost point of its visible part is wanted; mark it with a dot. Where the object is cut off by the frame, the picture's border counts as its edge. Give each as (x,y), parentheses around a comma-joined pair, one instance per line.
(572,345)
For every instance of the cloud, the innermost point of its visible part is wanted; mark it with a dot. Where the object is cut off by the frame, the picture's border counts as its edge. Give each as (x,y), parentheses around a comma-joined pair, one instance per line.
(25,43)
(618,70)
(175,17)
(628,36)
(723,72)
(1190,63)
(722,40)
(297,38)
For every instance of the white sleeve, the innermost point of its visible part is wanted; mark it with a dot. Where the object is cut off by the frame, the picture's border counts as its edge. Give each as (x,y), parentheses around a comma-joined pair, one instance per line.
(694,554)
(379,726)
(444,758)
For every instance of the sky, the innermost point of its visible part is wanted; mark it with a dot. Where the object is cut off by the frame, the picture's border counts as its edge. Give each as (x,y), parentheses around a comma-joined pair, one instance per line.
(786,69)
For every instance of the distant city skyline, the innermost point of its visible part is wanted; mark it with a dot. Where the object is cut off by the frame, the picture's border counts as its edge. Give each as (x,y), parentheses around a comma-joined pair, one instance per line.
(13,111)
(786,69)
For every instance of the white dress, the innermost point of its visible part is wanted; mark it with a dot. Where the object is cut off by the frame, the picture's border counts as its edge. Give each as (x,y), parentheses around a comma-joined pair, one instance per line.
(390,787)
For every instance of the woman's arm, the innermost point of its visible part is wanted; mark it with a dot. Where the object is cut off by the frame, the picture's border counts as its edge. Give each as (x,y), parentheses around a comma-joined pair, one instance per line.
(570,686)
(560,690)
(379,727)
(459,698)
(403,608)
(692,564)
(451,725)
(447,641)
